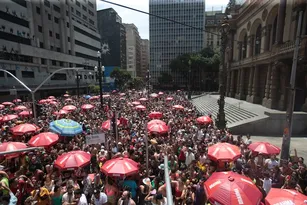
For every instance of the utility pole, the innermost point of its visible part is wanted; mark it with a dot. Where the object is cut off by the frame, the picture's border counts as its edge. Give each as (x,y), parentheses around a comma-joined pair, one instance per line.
(285,148)
(189,85)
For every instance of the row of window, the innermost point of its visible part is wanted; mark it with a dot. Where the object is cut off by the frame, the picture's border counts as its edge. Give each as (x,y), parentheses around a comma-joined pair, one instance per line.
(24,74)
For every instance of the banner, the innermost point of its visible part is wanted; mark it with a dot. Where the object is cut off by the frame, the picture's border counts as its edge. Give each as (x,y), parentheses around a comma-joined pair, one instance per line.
(95,139)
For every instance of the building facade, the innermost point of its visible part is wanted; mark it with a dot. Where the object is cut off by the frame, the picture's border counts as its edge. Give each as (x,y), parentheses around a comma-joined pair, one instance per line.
(144,57)
(169,40)
(212,26)
(260,61)
(133,46)
(113,33)
(38,37)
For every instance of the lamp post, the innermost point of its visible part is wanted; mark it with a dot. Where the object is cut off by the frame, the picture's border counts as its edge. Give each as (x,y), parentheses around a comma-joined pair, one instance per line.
(78,84)
(189,85)
(221,120)
(100,78)
(148,83)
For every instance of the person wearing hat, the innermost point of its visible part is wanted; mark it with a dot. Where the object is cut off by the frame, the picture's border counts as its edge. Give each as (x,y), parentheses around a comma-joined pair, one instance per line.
(144,189)
(99,198)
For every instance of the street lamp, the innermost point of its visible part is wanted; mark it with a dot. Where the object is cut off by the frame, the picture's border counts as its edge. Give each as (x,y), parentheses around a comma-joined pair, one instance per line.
(100,78)
(78,84)
(148,83)
(189,85)
(221,120)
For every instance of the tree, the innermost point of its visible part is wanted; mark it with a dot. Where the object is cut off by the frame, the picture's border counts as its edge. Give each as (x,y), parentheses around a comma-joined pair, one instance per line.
(94,88)
(121,77)
(136,83)
(165,78)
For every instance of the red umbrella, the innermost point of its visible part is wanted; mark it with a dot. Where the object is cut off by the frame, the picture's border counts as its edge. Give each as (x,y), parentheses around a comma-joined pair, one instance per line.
(24,129)
(66,95)
(44,139)
(1,106)
(140,107)
(155,115)
(223,152)
(20,107)
(122,94)
(7,103)
(43,101)
(17,100)
(136,103)
(94,98)
(25,113)
(69,108)
(178,107)
(51,97)
(61,112)
(161,93)
(156,122)
(106,125)
(7,118)
(87,106)
(53,103)
(204,120)
(143,99)
(169,98)
(154,95)
(229,188)
(73,160)
(285,196)
(120,167)
(12,146)
(105,96)
(264,148)
(159,128)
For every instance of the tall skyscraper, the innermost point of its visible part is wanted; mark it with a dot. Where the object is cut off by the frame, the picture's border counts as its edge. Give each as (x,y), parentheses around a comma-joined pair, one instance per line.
(113,33)
(133,42)
(168,39)
(144,57)
(38,37)
(213,25)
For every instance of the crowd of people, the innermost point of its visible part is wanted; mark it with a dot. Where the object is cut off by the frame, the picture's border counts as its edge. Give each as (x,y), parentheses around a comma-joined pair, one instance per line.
(31,177)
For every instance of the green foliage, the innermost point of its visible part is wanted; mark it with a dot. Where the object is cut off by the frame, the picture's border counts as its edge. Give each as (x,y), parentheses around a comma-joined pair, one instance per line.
(206,59)
(136,83)
(165,78)
(121,77)
(94,89)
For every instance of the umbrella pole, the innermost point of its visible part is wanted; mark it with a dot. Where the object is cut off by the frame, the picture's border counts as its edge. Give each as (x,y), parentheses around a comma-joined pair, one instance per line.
(22,150)
(169,195)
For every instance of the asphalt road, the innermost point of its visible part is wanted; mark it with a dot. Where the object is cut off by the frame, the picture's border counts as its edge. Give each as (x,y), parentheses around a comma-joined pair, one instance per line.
(300,143)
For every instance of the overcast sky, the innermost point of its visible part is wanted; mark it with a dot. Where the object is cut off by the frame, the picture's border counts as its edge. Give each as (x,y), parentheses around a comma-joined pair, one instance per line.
(142,20)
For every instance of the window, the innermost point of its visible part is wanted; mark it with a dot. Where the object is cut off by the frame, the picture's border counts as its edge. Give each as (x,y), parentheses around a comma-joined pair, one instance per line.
(68,39)
(47,3)
(90,4)
(49,17)
(59,76)
(1,74)
(67,24)
(84,8)
(41,45)
(71,65)
(58,49)
(67,13)
(38,10)
(40,29)
(57,36)
(56,20)
(91,22)
(50,33)
(56,8)
(11,71)
(51,47)
(53,62)
(43,61)
(69,52)
(27,74)
(84,17)
(61,64)
(78,13)
(72,10)
(77,3)
(91,13)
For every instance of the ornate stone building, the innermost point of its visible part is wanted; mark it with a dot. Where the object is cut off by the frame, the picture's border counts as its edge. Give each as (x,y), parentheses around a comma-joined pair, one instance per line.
(260,52)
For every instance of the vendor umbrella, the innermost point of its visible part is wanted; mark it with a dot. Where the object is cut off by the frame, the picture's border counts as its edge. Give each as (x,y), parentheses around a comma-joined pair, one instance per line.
(229,188)
(66,127)
(73,160)
(69,108)
(155,115)
(120,167)
(17,101)
(43,101)
(7,103)
(143,99)
(158,128)
(169,99)
(61,112)
(156,122)
(161,93)
(136,103)
(154,95)
(204,120)
(106,125)
(285,196)
(223,152)
(24,129)
(87,97)
(178,107)
(12,146)
(25,113)
(87,107)
(264,148)
(94,98)
(66,95)
(44,139)
(1,106)
(20,107)
(7,118)
(51,97)
(140,107)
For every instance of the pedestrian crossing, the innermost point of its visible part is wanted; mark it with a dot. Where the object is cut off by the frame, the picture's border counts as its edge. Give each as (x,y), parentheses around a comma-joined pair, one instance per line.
(234,113)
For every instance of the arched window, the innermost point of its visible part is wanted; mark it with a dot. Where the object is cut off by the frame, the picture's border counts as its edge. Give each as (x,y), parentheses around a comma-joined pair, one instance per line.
(244,47)
(258,40)
(274,29)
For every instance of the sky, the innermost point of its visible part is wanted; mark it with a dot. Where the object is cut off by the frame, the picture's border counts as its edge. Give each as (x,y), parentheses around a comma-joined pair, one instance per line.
(142,20)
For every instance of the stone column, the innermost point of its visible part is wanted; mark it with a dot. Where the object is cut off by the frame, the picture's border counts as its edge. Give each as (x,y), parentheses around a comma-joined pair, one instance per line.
(232,84)
(250,84)
(241,94)
(255,89)
(239,46)
(251,45)
(281,21)
(283,86)
(263,37)
(272,101)
(267,85)
(238,83)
